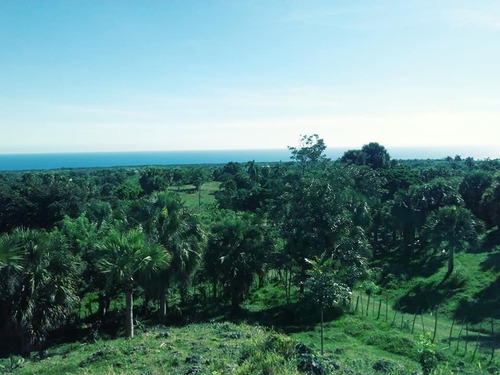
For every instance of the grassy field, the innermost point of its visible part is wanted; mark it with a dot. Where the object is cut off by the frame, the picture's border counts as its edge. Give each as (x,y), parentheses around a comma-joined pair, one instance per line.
(190,195)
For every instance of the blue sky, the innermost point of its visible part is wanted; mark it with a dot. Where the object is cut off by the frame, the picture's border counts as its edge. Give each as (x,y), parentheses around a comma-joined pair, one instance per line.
(183,75)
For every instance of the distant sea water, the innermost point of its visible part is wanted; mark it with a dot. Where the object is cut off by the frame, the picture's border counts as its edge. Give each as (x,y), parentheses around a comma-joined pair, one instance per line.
(13,162)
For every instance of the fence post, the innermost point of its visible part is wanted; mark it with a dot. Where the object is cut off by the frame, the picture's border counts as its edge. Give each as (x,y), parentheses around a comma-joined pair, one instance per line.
(467,337)
(458,339)
(413,324)
(435,324)
(477,342)
(368,304)
(386,306)
(492,339)
(451,331)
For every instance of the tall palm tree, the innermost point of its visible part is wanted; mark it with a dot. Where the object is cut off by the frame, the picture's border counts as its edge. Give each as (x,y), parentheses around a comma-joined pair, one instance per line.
(236,252)
(125,256)
(179,231)
(39,292)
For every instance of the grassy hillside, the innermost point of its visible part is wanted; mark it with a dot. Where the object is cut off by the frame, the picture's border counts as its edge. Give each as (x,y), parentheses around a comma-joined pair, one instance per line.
(218,348)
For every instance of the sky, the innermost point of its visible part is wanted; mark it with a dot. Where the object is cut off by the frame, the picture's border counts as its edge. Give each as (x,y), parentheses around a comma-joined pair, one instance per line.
(83,76)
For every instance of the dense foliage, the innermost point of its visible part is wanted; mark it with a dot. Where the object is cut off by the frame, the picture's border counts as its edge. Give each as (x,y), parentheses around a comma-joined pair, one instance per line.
(74,241)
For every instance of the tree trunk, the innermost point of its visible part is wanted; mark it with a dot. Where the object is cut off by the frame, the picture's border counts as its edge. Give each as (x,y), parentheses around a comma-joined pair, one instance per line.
(451,262)
(103,306)
(129,313)
(235,300)
(199,198)
(214,289)
(163,304)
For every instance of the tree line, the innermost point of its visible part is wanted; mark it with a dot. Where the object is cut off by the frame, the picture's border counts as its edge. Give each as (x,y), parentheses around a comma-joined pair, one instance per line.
(69,236)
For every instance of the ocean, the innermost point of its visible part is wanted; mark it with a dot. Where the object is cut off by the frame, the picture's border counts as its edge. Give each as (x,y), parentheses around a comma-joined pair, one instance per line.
(17,162)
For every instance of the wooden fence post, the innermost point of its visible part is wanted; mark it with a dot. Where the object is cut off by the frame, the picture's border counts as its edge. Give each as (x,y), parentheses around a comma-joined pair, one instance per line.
(451,331)
(492,339)
(467,337)
(413,324)
(477,342)
(368,304)
(435,324)
(458,339)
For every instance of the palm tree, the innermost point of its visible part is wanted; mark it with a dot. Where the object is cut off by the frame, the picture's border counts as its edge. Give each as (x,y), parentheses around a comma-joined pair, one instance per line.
(10,254)
(125,256)
(179,231)
(38,292)
(236,252)
(454,228)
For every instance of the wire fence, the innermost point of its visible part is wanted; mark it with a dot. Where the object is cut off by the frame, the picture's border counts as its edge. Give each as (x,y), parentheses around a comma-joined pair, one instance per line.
(458,337)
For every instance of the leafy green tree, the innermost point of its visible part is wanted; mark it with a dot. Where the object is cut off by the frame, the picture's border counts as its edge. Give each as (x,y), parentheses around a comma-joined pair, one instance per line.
(125,256)
(376,155)
(356,157)
(322,288)
(490,204)
(153,179)
(179,177)
(451,229)
(328,213)
(373,154)
(310,152)
(472,189)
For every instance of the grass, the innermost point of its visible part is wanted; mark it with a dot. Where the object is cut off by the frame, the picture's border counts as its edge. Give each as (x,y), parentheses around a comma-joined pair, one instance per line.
(217,348)
(190,195)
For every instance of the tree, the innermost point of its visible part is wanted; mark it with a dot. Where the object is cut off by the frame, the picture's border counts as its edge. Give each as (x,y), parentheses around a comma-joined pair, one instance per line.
(198,176)
(153,179)
(376,156)
(236,252)
(10,256)
(328,213)
(126,255)
(472,189)
(179,231)
(321,286)
(310,151)
(356,157)
(38,291)
(451,229)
